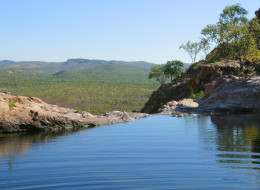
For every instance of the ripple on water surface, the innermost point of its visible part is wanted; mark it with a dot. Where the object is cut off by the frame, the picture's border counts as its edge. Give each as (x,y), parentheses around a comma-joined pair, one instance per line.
(160,152)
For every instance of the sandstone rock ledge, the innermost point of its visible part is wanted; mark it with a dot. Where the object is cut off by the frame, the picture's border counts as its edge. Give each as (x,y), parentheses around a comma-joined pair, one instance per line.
(225,95)
(31,114)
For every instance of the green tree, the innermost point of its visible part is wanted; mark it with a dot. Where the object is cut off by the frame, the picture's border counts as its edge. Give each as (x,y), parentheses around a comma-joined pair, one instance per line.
(157,72)
(231,16)
(205,46)
(233,34)
(192,48)
(173,69)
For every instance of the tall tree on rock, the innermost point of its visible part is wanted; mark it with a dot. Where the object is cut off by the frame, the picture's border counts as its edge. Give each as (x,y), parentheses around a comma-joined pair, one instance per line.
(233,34)
(157,72)
(173,69)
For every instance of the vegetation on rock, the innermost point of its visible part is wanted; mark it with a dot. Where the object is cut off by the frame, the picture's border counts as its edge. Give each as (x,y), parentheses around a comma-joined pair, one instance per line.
(158,73)
(11,104)
(172,69)
(194,95)
(235,35)
(236,53)
(192,48)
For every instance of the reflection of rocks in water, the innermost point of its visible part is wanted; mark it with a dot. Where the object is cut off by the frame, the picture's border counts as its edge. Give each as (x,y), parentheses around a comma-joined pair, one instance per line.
(13,145)
(238,132)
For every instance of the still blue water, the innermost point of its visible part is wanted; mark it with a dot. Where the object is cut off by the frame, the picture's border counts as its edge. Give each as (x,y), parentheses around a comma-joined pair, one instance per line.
(160,152)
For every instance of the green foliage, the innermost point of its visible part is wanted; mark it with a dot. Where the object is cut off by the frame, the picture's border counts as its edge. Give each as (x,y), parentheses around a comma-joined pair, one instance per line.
(71,64)
(96,86)
(194,95)
(197,65)
(235,35)
(192,49)
(157,72)
(173,69)
(205,46)
(11,104)
(241,74)
(84,93)
(113,72)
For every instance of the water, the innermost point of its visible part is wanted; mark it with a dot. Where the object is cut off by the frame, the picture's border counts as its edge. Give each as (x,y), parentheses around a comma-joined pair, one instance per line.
(161,152)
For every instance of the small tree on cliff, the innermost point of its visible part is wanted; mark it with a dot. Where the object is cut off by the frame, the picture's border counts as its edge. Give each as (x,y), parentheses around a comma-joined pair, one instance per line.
(173,69)
(192,49)
(205,46)
(157,72)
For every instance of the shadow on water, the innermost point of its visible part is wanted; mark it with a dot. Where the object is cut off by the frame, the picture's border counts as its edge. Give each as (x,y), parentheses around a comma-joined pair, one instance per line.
(12,146)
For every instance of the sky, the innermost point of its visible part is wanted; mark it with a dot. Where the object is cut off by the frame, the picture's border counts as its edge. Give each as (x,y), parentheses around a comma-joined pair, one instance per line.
(129,30)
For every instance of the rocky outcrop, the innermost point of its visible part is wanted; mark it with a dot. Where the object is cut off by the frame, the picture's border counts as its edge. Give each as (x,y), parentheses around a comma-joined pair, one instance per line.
(224,95)
(233,94)
(197,77)
(173,105)
(19,114)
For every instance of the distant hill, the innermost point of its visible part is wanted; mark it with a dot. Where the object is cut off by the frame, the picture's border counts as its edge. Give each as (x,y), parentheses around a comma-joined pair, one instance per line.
(71,64)
(93,85)
(113,72)
(187,65)
(6,62)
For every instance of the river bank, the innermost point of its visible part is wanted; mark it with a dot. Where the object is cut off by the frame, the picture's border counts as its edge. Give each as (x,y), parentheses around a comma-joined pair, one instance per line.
(226,95)
(30,114)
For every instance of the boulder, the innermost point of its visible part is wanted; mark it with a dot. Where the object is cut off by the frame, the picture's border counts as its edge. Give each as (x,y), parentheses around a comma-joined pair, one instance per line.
(233,94)
(172,106)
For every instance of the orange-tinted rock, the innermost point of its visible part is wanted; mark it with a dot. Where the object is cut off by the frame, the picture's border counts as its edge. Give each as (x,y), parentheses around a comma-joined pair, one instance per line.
(32,114)
(196,78)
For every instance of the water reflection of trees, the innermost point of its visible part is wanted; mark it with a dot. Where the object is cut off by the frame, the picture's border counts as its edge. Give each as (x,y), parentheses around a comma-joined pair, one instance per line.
(239,133)
(206,132)
(12,146)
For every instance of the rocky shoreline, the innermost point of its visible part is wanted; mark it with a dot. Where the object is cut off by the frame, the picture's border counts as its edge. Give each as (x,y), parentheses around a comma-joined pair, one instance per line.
(225,95)
(30,114)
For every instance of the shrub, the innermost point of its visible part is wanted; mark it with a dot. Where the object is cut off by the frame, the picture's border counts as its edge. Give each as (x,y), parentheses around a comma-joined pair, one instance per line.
(11,104)
(241,74)
(194,95)
(196,65)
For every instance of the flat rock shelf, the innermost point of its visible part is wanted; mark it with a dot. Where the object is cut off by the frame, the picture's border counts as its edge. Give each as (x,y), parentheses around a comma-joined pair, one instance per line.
(30,114)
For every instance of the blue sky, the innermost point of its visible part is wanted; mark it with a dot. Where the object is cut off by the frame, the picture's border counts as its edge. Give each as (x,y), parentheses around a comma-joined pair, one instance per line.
(130,30)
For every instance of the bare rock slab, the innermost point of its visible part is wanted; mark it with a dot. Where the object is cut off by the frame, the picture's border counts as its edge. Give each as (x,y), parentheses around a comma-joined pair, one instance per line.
(32,114)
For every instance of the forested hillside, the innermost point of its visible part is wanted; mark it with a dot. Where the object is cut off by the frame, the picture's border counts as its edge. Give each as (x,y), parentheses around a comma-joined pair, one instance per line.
(94,86)
(71,64)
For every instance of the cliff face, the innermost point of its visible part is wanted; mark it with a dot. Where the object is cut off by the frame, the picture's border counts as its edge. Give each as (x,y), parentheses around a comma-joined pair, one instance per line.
(197,77)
